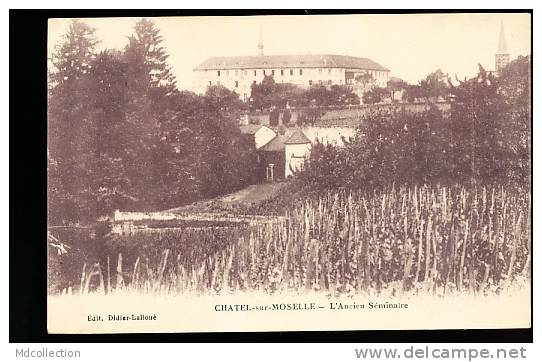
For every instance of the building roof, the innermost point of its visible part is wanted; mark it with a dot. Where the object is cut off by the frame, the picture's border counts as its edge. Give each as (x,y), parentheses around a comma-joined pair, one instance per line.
(275,145)
(250,128)
(290,61)
(297,138)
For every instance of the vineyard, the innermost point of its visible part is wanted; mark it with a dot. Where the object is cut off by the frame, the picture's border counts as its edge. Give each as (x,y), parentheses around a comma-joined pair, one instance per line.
(431,240)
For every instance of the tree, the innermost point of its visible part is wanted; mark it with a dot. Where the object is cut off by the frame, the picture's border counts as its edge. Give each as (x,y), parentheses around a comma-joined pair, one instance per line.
(148,59)
(318,96)
(342,95)
(396,85)
(374,95)
(491,124)
(366,79)
(412,93)
(327,167)
(149,93)
(225,159)
(478,115)
(515,88)
(122,136)
(274,117)
(268,94)
(73,56)
(435,85)
(264,95)
(111,187)
(72,140)
(286,117)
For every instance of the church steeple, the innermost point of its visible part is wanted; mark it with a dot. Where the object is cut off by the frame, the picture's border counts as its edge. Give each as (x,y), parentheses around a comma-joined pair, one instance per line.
(502,57)
(260,43)
(502,48)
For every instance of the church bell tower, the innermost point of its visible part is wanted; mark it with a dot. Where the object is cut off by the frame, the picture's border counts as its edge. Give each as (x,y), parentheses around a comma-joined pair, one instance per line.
(502,57)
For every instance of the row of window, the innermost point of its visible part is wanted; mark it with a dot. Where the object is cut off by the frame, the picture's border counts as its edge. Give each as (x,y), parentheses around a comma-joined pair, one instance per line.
(283,71)
(329,82)
(268,72)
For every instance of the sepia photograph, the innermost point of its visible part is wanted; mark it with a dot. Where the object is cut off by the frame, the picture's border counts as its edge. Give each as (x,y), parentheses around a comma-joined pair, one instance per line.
(338,172)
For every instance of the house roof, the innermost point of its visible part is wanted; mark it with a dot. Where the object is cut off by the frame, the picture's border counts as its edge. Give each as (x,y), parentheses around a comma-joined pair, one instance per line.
(250,128)
(290,61)
(276,144)
(298,137)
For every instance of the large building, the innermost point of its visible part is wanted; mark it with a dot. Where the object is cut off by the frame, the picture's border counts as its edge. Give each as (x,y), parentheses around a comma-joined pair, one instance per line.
(238,73)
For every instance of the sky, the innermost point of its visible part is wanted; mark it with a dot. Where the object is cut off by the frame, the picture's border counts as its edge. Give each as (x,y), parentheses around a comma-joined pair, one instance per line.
(410,45)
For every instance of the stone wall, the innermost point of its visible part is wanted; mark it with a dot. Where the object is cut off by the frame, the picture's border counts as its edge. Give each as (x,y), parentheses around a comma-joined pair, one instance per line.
(349,117)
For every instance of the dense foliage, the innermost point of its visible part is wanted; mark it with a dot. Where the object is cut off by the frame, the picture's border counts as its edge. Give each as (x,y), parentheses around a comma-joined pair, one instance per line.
(484,139)
(122,136)
(268,95)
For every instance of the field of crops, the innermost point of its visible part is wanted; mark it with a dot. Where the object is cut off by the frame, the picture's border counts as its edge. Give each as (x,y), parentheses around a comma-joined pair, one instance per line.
(437,241)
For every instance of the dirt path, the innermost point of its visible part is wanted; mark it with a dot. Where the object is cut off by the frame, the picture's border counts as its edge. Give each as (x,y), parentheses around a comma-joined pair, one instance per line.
(248,196)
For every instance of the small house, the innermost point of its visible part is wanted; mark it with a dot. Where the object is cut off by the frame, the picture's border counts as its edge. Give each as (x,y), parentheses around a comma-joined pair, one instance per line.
(283,155)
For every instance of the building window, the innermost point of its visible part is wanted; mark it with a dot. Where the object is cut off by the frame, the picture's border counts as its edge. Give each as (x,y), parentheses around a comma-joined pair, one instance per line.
(282,72)
(210,83)
(291,72)
(263,72)
(272,71)
(236,72)
(255,73)
(300,71)
(236,84)
(218,72)
(329,81)
(244,72)
(310,81)
(227,73)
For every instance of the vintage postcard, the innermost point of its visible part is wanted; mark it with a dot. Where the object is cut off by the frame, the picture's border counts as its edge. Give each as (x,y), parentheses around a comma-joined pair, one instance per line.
(289,173)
